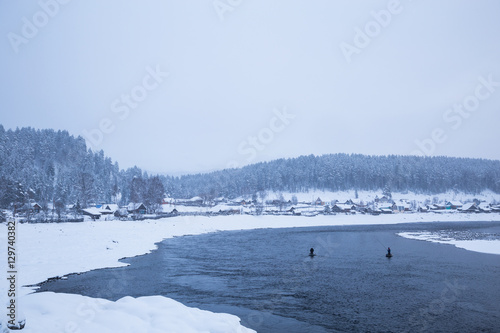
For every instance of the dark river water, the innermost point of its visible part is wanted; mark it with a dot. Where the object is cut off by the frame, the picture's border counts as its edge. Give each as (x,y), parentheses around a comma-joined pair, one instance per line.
(267,279)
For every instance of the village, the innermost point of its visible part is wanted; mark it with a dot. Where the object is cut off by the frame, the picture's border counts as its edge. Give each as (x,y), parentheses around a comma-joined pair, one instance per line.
(34,212)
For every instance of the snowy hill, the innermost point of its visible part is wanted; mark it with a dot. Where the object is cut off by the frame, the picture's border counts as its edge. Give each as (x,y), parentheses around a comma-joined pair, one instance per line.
(54,170)
(343,172)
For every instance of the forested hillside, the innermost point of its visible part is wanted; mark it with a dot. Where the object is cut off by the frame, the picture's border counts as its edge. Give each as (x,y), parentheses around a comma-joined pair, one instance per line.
(341,172)
(53,167)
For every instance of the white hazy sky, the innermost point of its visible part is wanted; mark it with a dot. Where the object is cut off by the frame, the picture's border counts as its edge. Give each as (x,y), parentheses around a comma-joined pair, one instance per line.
(235,65)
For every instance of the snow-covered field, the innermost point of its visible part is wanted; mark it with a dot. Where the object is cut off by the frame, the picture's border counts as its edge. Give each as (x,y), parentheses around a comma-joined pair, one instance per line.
(55,250)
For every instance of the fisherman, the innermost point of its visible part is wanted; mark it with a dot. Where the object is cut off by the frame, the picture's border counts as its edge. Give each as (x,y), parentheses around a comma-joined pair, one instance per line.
(388,251)
(311,252)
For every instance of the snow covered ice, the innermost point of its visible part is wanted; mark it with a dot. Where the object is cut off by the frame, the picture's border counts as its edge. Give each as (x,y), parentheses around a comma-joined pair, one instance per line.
(477,243)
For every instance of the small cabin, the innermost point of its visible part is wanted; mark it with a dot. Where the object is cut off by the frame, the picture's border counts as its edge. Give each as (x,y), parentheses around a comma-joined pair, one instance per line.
(93,212)
(470,208)
(36,208)
(30,208)
(319,202)
(484,207)
(343,208)
(423,209)
(136,208)
(454,205)
(108,209)
(386,206)
(437,207)
(404,206)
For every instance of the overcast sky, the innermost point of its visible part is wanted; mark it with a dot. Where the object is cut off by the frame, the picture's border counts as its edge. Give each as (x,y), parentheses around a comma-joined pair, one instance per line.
(178,86)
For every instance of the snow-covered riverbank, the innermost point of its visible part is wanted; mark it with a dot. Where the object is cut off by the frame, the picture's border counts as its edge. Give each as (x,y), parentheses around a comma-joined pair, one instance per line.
(55,250)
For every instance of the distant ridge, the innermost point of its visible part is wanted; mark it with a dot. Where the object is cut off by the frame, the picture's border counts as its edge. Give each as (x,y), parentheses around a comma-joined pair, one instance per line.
(341,172)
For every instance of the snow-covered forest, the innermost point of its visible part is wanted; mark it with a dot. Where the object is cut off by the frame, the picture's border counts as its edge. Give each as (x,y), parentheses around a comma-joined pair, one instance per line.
(341,172)
(55,168)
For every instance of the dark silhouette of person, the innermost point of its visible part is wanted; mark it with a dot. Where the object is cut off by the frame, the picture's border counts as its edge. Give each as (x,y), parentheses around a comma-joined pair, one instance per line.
(389,251)
(311,251)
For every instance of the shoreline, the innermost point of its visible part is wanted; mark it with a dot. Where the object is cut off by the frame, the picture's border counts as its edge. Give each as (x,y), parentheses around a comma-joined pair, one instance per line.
(58,249)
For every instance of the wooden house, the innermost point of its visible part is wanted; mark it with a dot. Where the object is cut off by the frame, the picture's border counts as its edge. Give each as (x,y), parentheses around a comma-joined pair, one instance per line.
(453,205)
(423,209)
(343,208)
(319,202)
(32,208)
(136,208)
(386,206)
(108,209)
(484,207)
(403,206)
(93,212)
(470,207)
(437,206)
(36,208)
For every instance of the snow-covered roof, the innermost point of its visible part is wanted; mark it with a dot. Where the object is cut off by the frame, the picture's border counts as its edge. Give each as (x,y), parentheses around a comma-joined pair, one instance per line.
(485,207)
(437,206)
(344,206)
(92,211)
(134,205)
(385,205)
(109,208)
(468,206)
(454,203)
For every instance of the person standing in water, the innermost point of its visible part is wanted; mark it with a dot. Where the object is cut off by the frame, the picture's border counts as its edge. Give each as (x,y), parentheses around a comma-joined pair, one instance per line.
(311,252)
(389,251)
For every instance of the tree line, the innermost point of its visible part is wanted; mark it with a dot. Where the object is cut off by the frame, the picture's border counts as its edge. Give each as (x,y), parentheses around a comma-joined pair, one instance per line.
(53,167)
(341,172)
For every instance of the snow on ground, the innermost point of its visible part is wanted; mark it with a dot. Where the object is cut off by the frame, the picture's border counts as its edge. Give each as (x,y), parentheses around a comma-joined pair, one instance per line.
(168,208)
(57,249)
(476,245)
(50,312)
(368,196)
